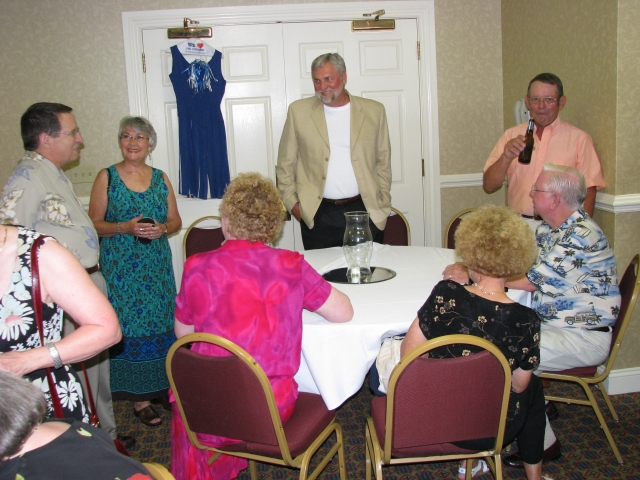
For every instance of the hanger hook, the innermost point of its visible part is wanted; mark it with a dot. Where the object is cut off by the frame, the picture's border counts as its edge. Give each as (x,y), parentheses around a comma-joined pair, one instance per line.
(188,22)
(377,13)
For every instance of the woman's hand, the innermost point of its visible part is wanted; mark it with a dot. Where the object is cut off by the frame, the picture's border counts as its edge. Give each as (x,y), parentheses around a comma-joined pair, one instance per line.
(152,231)
(24,362)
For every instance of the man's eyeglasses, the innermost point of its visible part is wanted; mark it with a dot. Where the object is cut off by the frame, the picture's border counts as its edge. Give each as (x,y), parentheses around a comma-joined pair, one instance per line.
(138,138)
(548,101)
(72,133)
(535,189)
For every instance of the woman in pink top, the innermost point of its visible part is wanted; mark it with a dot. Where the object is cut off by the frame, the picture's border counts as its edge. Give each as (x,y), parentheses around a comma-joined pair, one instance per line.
(253,295)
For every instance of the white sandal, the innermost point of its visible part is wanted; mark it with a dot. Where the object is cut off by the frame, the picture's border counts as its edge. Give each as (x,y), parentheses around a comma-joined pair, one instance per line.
(481,468)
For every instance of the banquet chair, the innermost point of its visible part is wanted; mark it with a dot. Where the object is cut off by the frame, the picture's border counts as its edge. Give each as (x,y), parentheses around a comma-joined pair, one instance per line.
(159,472)
(449,233)
(434,402)
(202,239)
(231,397)
(397,231)
(587,376)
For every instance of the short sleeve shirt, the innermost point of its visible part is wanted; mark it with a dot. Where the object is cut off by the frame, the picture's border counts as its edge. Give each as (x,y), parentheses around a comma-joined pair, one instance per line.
(452,309)
(576,275)
(562,144)
(253,295)
(39,196)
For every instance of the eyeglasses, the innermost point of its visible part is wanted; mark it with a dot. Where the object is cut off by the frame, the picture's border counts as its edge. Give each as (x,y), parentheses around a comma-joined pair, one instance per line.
(548,101)
(535,189)
(138,138)
(72,133)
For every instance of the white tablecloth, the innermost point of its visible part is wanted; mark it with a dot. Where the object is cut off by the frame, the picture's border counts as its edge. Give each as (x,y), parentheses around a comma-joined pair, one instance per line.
(337,356)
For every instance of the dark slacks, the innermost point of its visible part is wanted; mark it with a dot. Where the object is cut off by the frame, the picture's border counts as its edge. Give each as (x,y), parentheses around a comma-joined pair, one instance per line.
(329,225)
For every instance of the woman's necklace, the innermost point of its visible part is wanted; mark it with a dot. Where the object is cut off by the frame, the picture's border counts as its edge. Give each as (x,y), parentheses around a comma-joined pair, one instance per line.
(4,242)
(136,173)
(487,292)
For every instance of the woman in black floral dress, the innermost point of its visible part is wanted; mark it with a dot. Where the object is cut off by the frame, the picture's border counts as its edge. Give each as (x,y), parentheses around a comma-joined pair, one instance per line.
(494,243)
(64,285)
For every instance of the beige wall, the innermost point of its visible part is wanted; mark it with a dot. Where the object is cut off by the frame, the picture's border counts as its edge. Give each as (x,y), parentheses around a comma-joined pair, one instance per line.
(487,50)
(627,225)
(468,53)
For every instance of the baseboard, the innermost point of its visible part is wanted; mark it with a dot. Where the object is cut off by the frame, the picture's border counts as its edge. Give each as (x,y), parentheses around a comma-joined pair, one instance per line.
(625,380)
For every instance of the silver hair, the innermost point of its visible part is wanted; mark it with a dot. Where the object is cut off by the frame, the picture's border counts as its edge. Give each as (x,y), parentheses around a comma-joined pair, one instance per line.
(22,408)
(140,125)
(334,58)
(568,182)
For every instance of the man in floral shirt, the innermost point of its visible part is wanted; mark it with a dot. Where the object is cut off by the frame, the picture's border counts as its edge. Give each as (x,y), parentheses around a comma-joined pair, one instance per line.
(574,281)
(39,196)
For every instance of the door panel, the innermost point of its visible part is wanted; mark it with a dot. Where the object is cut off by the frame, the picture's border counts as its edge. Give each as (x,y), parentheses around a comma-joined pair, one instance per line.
(267,66)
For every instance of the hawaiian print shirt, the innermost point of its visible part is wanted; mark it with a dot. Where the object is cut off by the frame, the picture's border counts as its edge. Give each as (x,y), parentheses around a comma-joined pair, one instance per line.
(576,275)
(40,196)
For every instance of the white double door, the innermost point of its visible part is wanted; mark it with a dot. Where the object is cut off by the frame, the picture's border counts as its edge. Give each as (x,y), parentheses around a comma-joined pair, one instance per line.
(267,66)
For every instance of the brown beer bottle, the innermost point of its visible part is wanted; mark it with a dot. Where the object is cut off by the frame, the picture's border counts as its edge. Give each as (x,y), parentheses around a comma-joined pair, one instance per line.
(525,155)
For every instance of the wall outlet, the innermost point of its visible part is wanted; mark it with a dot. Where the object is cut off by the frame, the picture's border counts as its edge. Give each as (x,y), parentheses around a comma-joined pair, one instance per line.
(82,174)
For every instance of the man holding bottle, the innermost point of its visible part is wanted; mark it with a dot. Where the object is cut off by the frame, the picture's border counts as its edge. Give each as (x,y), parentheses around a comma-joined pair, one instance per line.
(554,141)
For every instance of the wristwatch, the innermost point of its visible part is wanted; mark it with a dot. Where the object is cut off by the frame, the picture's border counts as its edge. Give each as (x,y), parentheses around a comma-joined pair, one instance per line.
(57,361)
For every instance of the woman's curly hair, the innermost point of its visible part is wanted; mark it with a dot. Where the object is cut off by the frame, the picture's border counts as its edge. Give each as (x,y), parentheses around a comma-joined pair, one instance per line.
(495,241)
(253,207)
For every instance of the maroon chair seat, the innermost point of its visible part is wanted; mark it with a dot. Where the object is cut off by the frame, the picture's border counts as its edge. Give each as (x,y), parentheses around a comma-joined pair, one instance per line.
(450,231)
(198,239)
(397,231)
(231,397)
(432,403)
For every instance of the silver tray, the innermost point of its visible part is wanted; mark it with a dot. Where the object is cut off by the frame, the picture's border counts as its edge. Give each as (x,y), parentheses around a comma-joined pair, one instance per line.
(378,274)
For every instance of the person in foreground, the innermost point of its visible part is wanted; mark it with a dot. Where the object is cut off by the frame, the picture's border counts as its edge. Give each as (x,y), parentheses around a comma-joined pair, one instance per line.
(574,283)
(31,449)
(136,261)
(494,243)
(253,295)
(38,195)
(64,284)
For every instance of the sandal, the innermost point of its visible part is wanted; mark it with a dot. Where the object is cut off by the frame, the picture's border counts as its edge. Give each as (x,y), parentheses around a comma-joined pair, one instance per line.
(148,416)
(480,469)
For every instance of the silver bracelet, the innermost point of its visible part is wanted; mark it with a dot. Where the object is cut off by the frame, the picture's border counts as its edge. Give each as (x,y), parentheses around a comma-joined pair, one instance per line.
(119,231)
(57,361)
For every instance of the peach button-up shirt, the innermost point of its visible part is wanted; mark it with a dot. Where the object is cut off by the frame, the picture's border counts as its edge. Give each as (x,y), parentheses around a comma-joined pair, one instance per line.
(562,144)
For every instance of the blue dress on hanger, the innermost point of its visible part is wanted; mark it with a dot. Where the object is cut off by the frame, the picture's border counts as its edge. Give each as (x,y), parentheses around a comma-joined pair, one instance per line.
(199,88)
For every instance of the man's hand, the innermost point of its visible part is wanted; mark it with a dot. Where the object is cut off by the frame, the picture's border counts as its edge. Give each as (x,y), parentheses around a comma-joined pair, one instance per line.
(456,272)
(295,211)
(513,148)
(493,177)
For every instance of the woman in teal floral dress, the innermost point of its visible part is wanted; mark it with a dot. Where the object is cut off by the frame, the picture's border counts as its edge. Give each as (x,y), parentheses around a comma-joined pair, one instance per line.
(134,209)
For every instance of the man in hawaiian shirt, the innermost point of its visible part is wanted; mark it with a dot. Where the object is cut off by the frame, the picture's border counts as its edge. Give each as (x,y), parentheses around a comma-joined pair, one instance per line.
(574,283)
(39,196)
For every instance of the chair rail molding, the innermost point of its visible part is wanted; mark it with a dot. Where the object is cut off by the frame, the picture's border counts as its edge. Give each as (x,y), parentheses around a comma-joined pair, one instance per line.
(604,201)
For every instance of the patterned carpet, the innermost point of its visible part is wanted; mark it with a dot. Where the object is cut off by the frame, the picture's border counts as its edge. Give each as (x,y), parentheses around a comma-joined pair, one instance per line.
(585,451)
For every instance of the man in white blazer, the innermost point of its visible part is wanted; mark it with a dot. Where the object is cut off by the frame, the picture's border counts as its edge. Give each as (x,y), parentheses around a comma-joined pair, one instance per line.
(334,157)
